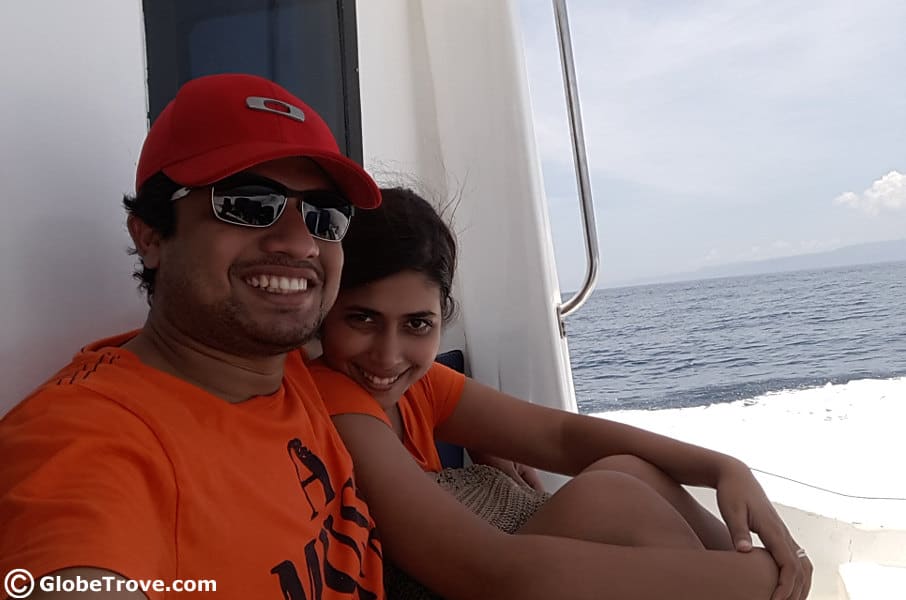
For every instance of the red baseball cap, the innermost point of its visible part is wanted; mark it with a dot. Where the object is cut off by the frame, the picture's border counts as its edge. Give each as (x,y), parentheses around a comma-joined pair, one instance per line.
(219,125)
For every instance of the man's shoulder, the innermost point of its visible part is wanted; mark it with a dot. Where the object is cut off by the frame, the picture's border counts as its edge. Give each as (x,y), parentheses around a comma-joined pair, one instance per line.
(95,362)
(91,374)
(102,385)
(88,368)
(85,396)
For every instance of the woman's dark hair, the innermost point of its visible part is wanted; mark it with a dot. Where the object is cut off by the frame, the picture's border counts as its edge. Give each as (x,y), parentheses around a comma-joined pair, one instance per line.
(152,205)
(404,234)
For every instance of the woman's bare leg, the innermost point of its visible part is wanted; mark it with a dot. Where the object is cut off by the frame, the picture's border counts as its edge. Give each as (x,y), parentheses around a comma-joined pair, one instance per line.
(614,508)
(710,530)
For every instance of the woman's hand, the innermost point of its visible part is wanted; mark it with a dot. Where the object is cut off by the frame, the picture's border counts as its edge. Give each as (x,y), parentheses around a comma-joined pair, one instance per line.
(746,508)
(521,474)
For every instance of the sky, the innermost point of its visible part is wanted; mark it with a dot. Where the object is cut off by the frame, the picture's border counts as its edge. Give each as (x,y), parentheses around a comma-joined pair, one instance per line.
(720,132)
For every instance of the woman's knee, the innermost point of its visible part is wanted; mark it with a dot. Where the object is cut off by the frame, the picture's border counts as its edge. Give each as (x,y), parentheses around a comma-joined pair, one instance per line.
(642,470)
(625,463)
(710,530)
(612,507)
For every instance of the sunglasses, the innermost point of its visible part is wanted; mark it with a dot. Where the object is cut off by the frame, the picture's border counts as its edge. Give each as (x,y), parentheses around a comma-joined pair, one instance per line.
(253,201)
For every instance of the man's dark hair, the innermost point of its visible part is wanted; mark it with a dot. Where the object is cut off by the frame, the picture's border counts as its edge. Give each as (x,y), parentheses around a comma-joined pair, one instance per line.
(152,205)
(405,233)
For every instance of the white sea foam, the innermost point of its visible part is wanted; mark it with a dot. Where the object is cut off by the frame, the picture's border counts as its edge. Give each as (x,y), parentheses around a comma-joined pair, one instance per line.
(849,438)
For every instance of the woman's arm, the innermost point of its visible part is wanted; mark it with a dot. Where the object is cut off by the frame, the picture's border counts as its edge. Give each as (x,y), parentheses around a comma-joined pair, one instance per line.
(438,541)
(563,442)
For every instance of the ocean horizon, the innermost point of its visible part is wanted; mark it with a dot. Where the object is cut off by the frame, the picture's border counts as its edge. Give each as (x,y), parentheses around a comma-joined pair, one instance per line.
(718,340)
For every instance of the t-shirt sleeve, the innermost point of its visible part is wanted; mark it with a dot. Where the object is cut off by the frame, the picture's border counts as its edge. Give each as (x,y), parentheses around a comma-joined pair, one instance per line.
(445,389)
(342,395)
(84,482)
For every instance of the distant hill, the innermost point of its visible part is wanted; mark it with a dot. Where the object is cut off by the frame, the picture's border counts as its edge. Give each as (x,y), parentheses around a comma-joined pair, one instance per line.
(857,254)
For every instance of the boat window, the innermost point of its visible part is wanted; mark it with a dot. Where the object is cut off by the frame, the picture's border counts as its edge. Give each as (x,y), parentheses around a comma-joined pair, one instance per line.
(307,46)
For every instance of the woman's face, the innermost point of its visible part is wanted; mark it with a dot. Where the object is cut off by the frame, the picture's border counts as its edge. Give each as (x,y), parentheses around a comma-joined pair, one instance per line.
(385,335)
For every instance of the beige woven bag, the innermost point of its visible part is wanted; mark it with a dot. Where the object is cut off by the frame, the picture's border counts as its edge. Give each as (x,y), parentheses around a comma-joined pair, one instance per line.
(490,494)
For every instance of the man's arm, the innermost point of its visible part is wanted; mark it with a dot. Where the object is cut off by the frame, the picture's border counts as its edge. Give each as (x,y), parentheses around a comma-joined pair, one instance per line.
(88,483)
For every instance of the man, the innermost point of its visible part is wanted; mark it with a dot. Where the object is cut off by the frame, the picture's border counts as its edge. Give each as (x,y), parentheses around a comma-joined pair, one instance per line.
(197,448)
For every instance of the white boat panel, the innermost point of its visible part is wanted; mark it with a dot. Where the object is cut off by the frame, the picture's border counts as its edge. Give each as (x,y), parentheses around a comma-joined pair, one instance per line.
(72,118)
(871,581)
(445,99)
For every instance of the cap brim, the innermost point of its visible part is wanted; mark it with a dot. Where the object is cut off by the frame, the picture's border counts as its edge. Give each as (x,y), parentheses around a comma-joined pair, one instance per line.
(348,175)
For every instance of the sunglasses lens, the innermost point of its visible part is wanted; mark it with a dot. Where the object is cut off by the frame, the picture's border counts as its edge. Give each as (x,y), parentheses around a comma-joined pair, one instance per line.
(252,205)
(327,214)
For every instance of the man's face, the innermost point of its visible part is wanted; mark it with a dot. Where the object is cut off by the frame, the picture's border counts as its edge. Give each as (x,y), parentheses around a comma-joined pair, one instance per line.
(248,291)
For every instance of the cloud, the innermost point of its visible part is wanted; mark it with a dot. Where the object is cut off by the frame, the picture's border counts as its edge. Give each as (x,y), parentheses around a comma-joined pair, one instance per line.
(886,194)
(716,100)
(714,127)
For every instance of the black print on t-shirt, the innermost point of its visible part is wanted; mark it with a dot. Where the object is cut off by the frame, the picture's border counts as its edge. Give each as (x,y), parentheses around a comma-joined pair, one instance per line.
(319,570)
(315,466)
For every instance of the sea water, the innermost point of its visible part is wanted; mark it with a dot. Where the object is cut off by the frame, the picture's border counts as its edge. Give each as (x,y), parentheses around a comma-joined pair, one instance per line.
(802,375)
(718,340)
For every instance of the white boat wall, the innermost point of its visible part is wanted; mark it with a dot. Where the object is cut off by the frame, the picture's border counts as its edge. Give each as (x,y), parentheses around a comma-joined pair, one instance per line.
(445,100)
(444,103)
(73,113)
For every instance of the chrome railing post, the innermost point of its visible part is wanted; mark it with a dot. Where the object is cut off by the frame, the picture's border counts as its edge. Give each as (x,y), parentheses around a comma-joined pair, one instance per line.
(581,162)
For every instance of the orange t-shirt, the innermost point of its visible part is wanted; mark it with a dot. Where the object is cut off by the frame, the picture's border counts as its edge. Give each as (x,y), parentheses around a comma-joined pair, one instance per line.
(119,466)
(425,405)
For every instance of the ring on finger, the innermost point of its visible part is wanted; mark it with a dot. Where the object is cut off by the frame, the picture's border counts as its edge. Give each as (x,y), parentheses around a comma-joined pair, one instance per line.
(801,553)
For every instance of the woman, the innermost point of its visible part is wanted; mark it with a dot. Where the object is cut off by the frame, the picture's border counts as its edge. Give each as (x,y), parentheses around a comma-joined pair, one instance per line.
(380,340)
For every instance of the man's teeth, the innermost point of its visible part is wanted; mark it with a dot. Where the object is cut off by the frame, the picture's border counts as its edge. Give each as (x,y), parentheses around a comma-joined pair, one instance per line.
(380,380)
(278,285)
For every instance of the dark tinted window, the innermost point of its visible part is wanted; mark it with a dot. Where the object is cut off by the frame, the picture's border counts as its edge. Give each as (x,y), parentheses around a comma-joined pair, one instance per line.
(307,46)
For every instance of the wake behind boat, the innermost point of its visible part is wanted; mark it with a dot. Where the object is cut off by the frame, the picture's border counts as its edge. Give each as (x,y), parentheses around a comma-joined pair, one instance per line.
(829,458)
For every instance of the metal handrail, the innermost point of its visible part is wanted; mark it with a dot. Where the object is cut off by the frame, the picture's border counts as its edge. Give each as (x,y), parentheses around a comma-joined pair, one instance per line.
(581,161)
